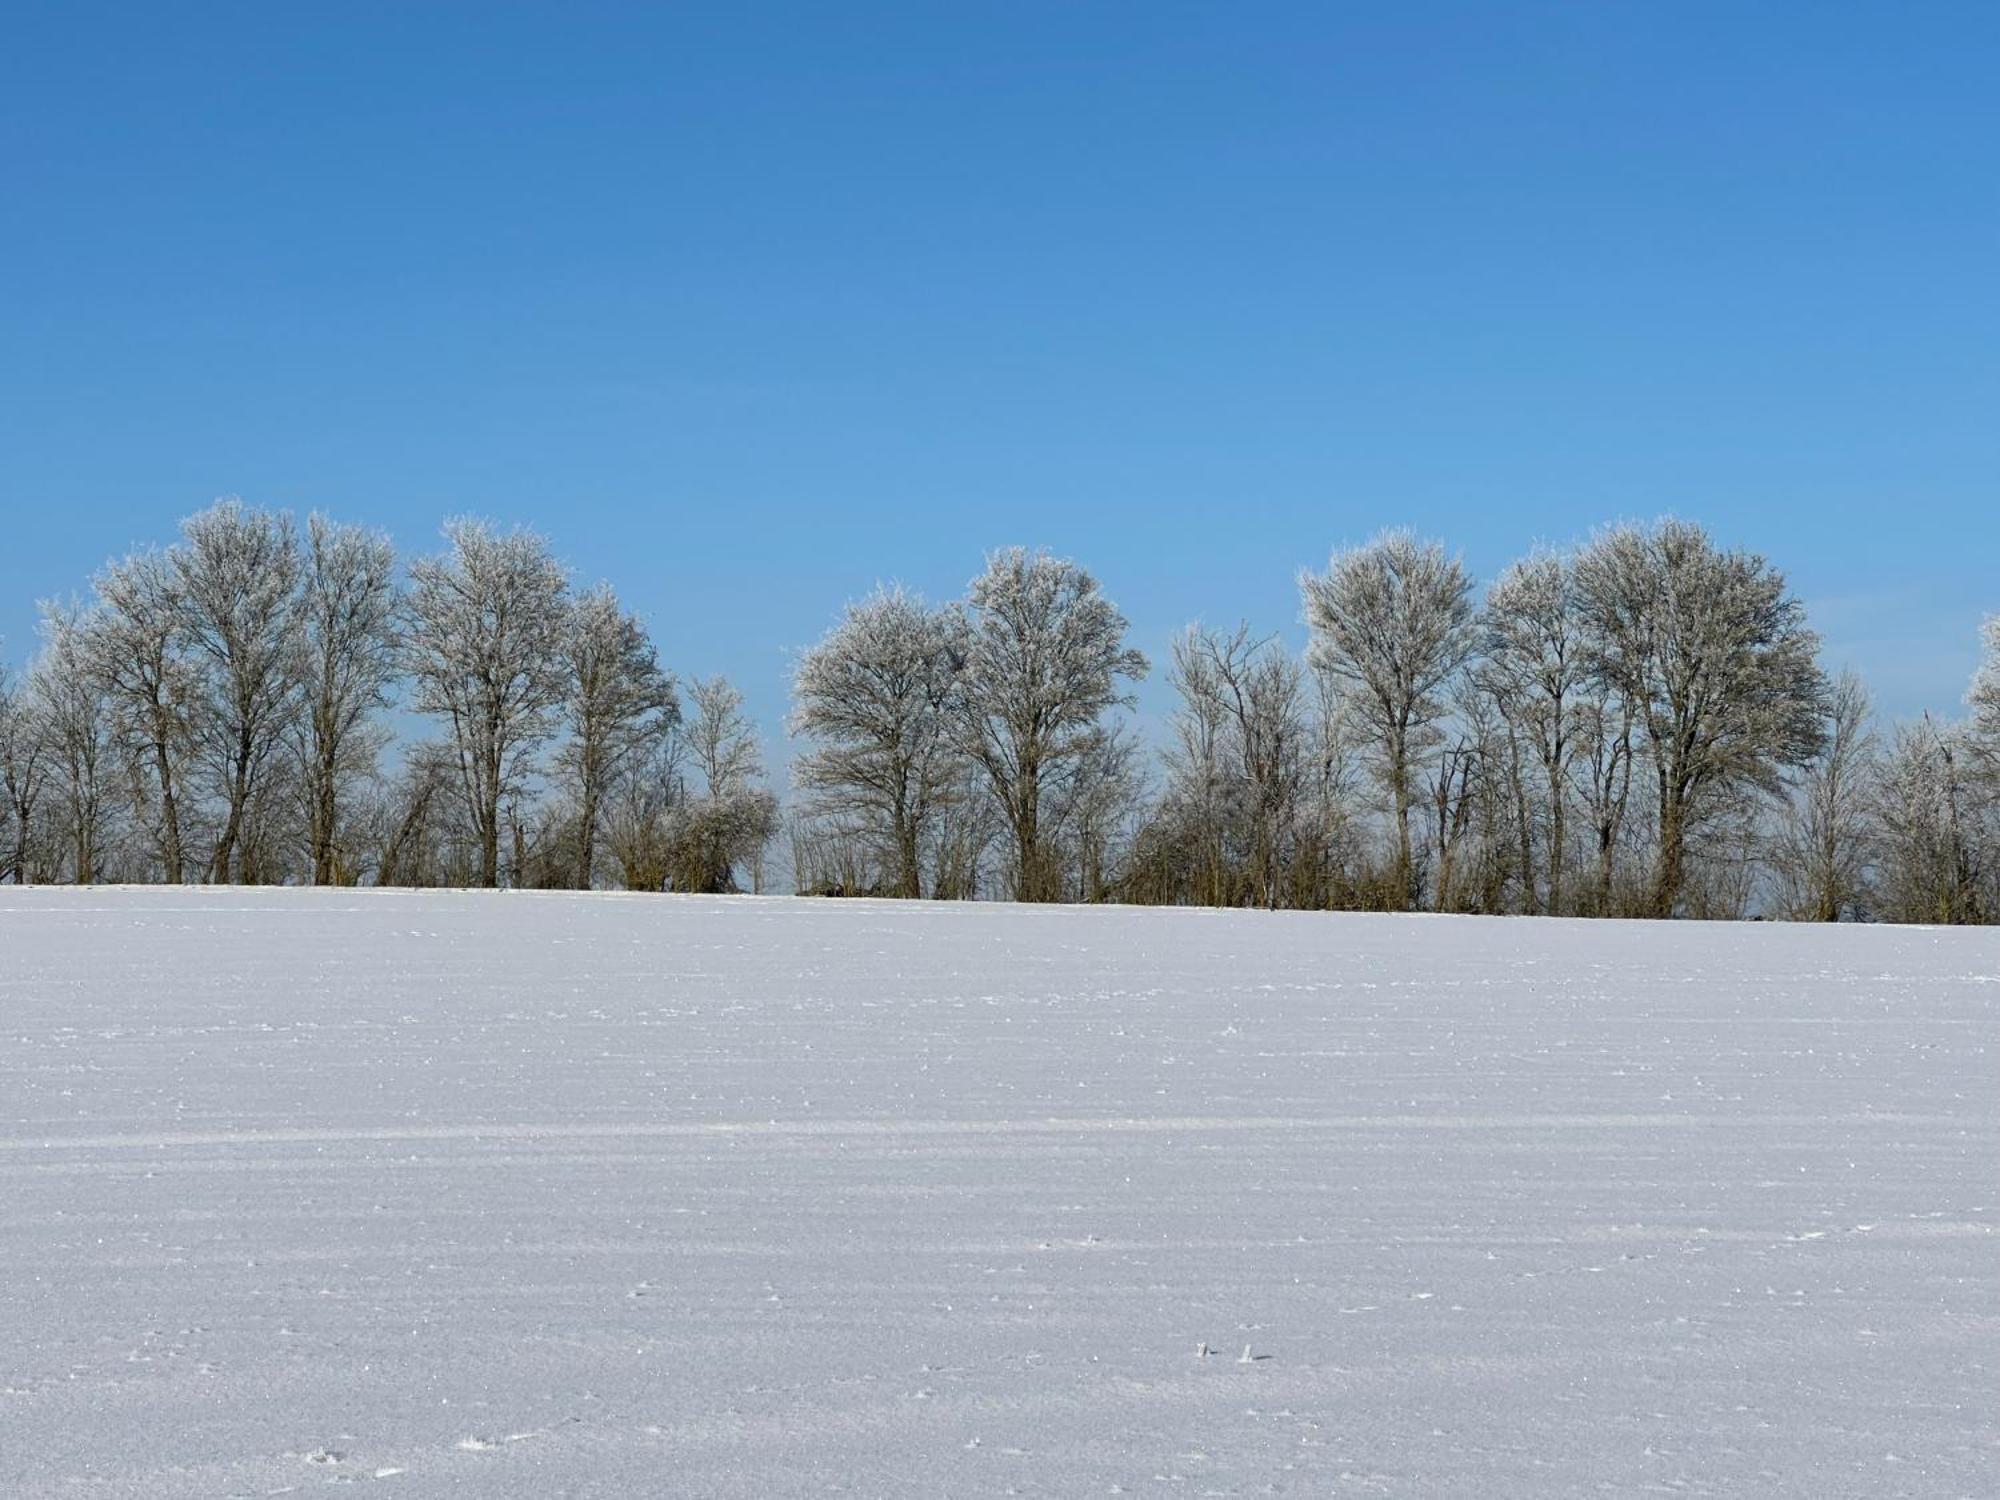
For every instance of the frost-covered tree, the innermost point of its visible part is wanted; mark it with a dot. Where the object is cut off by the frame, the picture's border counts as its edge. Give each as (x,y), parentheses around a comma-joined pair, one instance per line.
(1823,847)
(1534,669)
(1392,625)
(874,698)
(484,632)
(345,635)
(235,580)
(1716,659)
(1044,659)
(617,704)
(159,709)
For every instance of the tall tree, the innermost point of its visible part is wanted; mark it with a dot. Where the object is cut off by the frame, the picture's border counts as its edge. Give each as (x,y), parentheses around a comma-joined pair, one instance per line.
(617,703)
(874,697)
(346,640)
(1044,657)
(1718,663)
(1392,624)
(483,641)
(236,576)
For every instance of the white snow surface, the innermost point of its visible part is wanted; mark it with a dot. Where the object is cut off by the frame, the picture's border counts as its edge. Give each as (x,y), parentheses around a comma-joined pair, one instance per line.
(526,1195)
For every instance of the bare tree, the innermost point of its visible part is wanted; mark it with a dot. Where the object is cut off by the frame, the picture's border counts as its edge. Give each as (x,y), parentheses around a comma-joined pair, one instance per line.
(1823,846)
(345,638)
(874,696)
(235,578)
(155,691)
(1044,655)
(483,642)
(617,703)
(1392,624)
(1718,663)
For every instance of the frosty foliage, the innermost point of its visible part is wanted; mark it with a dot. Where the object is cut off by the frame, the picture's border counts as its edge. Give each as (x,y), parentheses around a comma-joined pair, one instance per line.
(1392,626)
(346,640)
(1714,657)
(483,640)
(875,700)
(1044,660)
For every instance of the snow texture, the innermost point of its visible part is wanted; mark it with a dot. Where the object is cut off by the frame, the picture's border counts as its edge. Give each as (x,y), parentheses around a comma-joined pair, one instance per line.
(521,1195)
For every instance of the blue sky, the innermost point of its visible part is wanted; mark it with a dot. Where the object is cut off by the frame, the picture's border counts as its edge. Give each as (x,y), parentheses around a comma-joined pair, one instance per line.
(749,307)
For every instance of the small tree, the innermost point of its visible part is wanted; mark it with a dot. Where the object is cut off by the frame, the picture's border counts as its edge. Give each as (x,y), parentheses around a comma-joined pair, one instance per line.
(727,825)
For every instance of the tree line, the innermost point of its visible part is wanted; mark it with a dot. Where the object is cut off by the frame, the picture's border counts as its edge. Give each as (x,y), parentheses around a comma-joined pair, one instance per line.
(1637,725)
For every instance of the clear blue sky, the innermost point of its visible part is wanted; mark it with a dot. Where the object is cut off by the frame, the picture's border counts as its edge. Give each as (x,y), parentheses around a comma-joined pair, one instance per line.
(749,307)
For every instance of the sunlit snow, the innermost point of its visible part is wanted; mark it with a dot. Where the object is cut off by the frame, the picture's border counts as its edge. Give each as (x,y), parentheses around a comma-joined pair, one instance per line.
(525,1195)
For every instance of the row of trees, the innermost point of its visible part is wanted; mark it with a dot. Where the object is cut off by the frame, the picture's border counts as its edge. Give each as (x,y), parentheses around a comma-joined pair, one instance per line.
(220,710)
(1637,726)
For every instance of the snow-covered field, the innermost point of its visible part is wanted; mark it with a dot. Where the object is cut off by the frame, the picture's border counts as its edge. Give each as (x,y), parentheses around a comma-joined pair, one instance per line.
(622,1196)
